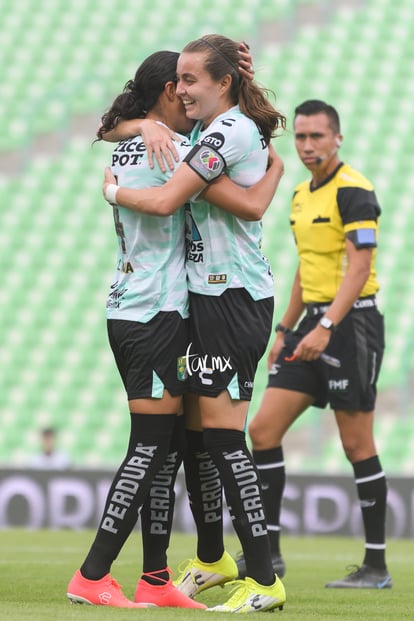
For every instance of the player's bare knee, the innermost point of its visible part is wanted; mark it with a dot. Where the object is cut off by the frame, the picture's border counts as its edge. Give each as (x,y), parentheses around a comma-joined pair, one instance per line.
(255,430)
(354,451)
(259,435)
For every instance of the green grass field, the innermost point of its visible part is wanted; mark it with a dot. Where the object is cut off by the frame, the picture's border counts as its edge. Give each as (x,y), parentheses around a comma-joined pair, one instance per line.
(35,567)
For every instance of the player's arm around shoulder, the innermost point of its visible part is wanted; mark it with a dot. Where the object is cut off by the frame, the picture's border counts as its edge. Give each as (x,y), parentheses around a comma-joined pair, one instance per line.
(159,201)
(247,203)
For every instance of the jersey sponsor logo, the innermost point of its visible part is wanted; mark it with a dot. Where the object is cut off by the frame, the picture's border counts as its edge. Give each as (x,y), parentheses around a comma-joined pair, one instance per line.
(215,140)
(217,279)
(205,365)
(129,146)
(193,242)
(128,152)
(195,251)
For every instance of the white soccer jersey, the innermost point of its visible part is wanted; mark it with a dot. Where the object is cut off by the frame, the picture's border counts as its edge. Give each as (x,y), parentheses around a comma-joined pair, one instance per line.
(150,274)
(222,250)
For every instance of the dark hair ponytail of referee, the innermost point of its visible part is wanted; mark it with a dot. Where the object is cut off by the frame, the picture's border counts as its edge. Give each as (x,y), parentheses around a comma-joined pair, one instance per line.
(142,93)
(223,58)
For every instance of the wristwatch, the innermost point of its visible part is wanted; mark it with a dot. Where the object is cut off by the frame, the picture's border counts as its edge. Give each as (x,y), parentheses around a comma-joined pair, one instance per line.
(327,323)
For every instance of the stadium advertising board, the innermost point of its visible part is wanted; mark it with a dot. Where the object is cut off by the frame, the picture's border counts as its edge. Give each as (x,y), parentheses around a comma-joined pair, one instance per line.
(313,504)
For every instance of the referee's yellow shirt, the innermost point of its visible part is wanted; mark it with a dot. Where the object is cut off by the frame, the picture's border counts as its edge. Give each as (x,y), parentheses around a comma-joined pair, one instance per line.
(320,219)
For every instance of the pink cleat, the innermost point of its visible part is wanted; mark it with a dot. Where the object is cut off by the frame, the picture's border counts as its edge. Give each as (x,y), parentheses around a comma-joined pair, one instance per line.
(103,592)
(166,595)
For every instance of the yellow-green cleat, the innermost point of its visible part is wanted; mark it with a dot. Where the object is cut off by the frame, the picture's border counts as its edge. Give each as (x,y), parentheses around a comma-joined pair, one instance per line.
(197,576)
(250,596)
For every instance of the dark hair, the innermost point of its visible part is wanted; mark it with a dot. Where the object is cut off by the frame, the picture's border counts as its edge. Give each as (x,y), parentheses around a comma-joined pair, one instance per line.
(315,106)
(223,58)
(49,431)
(142,93)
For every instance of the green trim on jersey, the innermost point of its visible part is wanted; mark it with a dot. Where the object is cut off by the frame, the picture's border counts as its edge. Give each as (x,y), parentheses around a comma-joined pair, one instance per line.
(157,386)
(233,388)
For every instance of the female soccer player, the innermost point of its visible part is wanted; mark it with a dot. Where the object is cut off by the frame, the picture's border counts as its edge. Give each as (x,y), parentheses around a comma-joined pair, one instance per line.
(147,312)
(231,296)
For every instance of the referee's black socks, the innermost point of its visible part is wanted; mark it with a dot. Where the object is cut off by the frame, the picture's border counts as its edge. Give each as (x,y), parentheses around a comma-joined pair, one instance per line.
(271,466)
(372,492)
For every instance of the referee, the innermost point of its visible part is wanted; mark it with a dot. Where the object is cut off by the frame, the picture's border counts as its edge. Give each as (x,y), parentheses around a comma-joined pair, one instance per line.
(330,341)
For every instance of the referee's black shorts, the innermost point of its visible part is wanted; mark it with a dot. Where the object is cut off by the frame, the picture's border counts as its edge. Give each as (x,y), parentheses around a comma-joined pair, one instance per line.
(229,334)
(358,343)
(151,356)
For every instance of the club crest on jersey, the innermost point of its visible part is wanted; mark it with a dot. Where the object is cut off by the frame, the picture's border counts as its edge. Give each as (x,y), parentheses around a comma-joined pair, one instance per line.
(182,372)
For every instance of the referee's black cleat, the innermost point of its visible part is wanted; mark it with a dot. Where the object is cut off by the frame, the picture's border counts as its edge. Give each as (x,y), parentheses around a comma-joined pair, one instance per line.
(364,577)
(278,563)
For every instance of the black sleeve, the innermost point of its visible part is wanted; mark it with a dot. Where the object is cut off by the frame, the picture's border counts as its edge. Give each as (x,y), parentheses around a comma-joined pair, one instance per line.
(356,204)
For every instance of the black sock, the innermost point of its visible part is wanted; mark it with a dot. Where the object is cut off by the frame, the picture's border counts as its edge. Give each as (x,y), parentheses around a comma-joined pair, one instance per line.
(271,467)
(372,492)
(205,496)
(147,450)
(241,485)
(158,510)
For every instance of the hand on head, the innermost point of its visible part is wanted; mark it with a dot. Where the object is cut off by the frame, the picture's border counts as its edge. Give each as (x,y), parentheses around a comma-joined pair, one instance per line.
(245,62)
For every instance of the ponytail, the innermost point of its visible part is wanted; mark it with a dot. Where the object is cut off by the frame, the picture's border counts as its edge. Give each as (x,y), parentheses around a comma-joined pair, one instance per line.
(142,93)
(222,57)
(254,103)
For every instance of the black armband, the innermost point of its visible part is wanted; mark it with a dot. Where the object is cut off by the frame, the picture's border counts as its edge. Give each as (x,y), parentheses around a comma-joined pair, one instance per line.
(206,162)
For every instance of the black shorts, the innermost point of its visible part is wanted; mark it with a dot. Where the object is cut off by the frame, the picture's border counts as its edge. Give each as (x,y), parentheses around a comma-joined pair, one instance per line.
(229,334)
(151,356)
(358,343)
